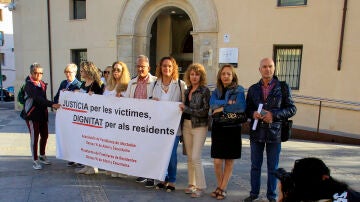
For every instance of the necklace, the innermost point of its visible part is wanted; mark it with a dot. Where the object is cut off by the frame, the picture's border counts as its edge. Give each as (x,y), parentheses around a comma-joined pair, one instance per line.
(165,87)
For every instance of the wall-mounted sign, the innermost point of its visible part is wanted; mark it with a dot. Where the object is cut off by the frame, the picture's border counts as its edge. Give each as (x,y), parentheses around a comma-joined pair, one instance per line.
(228,55)
(226,38)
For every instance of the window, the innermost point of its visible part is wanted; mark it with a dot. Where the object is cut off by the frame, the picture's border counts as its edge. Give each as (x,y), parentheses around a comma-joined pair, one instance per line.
(79,9)
(288,64)
(291,2)
(78,56)
(1,38)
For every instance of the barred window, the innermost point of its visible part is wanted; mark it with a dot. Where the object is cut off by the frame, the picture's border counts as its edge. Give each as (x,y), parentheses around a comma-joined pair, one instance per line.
(288,64)
(291,2)
(78,56)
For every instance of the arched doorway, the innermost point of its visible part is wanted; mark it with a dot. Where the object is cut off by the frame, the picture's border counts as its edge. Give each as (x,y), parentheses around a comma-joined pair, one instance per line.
(135,31)
(171,36)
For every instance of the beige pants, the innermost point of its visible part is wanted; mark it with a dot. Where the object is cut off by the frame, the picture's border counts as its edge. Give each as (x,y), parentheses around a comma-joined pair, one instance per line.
(194,139)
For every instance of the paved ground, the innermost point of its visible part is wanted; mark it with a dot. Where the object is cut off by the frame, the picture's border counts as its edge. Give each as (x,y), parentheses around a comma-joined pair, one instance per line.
(20,182)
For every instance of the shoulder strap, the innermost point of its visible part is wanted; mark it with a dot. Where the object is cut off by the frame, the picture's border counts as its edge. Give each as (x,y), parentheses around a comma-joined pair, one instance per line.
(181,92)
(283,91)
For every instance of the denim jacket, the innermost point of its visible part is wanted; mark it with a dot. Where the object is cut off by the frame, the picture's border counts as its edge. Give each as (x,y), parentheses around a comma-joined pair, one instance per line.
(236,94)
(273,103)
(199,106)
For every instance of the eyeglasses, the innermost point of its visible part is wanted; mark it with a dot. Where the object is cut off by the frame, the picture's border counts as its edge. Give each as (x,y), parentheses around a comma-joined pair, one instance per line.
(38,73)
(106,72)
(141,67)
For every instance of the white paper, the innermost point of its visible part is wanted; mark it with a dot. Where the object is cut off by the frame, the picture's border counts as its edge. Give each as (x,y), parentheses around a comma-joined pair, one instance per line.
(257,120)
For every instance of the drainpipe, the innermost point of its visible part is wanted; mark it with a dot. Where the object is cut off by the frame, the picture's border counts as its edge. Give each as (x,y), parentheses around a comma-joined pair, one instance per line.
(342,35)
(50,53)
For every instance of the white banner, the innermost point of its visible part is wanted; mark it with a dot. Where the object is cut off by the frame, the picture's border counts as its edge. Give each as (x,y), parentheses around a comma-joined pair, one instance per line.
(125,135)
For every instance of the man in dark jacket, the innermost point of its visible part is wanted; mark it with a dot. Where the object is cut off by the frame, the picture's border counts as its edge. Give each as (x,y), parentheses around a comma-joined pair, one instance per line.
(268,131)
(35,106)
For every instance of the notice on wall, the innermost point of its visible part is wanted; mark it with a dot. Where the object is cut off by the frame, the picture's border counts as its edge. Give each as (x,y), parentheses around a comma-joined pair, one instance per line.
(125,135)
(228,55)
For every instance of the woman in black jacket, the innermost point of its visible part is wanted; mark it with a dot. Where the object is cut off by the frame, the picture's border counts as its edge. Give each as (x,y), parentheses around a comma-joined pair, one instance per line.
(195,125)
(35,107)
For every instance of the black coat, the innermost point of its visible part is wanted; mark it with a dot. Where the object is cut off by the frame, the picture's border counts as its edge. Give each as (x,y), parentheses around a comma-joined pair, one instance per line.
(36,103)
(280,111)
(75,85)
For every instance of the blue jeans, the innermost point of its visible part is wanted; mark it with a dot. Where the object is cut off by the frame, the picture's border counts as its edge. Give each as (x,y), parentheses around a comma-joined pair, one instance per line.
(172,168)
(272,153)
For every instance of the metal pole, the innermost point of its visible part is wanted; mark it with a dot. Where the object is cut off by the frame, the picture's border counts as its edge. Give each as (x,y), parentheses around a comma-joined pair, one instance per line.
(1,84)
(318,124)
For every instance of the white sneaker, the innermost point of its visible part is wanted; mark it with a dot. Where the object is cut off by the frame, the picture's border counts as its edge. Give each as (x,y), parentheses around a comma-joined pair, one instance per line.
(114,174)
(44,160)
(82,170)
(91,171)
(37,165)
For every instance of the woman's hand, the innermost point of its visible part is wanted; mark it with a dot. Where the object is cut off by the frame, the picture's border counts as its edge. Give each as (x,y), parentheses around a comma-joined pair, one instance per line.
(218,110)
(182,107)
(90,93)
(155,98)
(230,102)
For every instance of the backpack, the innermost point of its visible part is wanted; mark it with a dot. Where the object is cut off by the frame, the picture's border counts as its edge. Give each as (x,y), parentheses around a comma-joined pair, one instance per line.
(21,95)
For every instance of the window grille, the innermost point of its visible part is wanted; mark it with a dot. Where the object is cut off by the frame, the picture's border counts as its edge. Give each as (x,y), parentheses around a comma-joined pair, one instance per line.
(288,64)
(78,56)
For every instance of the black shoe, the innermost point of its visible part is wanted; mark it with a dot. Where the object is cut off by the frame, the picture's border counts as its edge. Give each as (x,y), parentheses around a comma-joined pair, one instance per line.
(79,165)
(150,183)
(160,185)
(251,198)
(140,179)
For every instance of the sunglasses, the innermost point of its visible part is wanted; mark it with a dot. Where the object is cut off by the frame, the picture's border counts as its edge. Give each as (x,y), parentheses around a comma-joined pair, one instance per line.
(106,72)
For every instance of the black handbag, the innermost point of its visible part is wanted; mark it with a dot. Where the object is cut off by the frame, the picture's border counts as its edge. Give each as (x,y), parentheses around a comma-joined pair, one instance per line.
(286,130)
(229,119)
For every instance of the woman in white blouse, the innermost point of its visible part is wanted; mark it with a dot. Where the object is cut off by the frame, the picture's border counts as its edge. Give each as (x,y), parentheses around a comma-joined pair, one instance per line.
(168,87)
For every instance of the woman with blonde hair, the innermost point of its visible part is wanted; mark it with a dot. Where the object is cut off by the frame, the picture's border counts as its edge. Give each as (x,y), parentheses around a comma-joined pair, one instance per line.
(92,81)
(228,98)
(168,87)
(195,126)
(92,84)
(118,81)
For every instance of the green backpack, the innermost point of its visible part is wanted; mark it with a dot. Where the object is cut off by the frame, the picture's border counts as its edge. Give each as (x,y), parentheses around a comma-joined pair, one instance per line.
(21,95)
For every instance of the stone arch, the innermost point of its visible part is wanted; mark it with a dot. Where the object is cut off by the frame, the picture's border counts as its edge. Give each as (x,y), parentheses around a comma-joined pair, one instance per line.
(137,17)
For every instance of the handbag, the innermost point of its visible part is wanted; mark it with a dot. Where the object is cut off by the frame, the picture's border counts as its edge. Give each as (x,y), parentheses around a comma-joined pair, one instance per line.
(229,118)
(286,126)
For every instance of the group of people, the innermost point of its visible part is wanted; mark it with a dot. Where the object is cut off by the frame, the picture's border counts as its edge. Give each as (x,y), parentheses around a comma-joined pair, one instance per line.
(196,103)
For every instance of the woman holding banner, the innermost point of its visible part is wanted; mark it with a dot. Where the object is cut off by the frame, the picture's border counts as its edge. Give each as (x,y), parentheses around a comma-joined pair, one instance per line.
(168,87)
(228,97)
(93,85)
(118,81)
(195,126)
(116,86)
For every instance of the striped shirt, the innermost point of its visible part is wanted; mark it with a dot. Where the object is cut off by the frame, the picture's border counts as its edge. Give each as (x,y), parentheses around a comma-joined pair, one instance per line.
(141,88)
(266,89)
